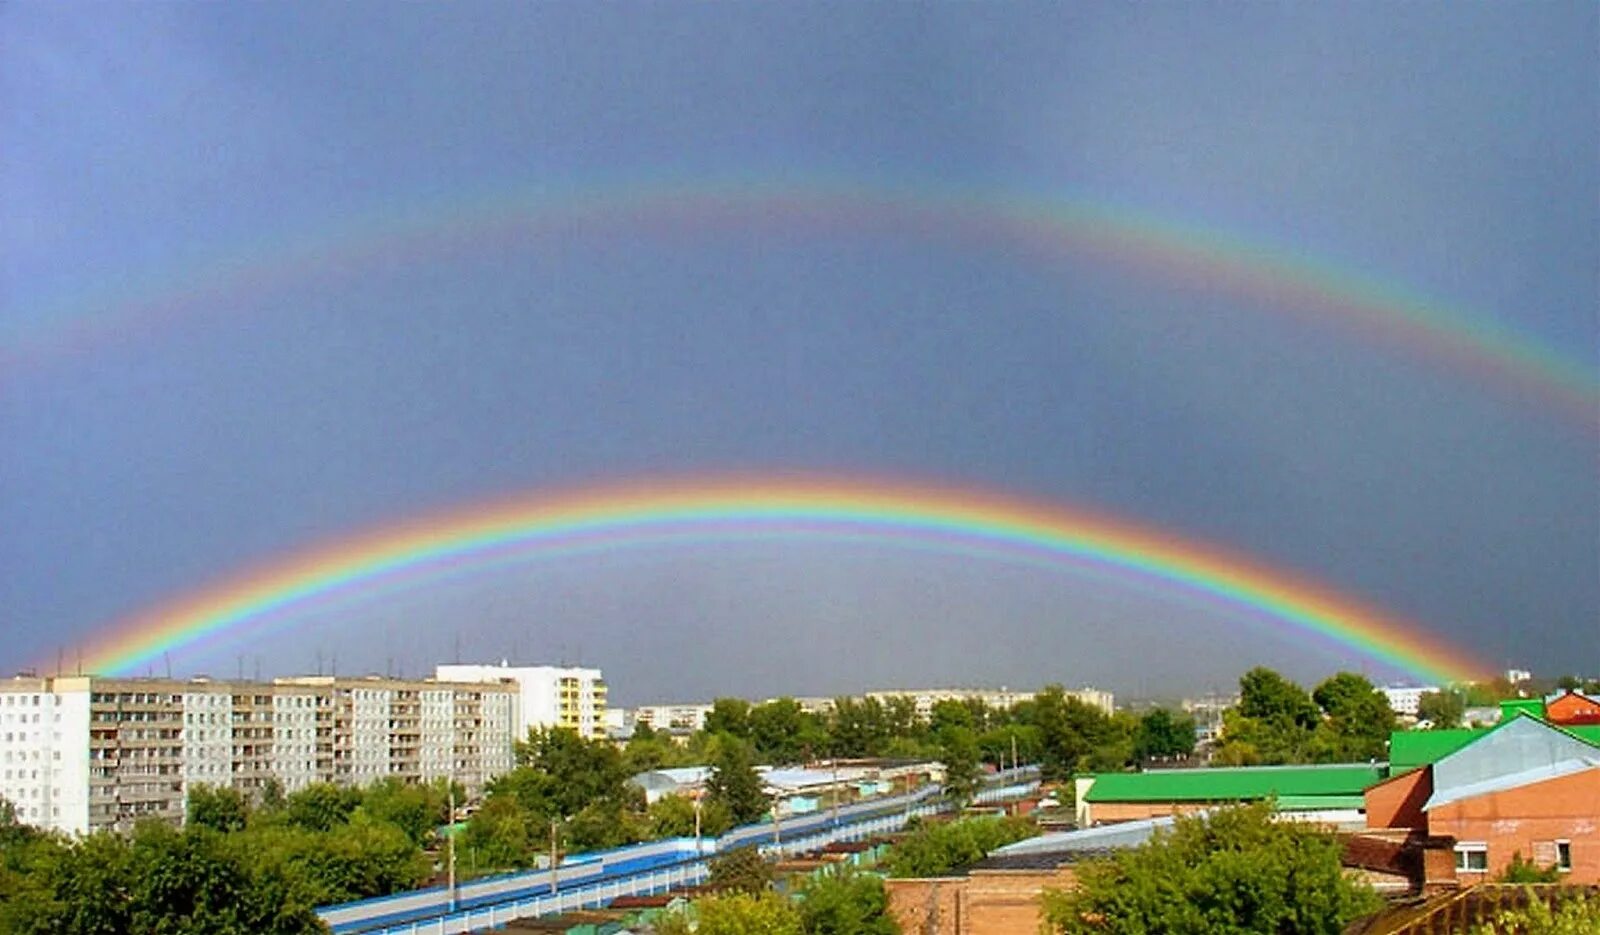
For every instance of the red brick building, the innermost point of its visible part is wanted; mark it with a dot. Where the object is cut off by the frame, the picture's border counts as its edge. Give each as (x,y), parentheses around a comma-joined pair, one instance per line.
(1527,787)
(1572,708)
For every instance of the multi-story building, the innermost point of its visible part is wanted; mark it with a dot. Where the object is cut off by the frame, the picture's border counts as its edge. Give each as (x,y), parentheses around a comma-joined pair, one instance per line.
(549,696)
(1405,700)
(80,753)
(673,717)
(1001,698)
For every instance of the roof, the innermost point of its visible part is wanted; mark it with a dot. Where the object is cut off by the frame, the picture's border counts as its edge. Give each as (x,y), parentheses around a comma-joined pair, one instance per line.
(1518,751)
(1060,846)
(1541,773)
(1412,748)
(1231,784)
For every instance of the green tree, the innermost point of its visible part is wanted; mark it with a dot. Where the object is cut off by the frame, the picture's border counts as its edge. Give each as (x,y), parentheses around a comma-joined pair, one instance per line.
(729,716)
(846,902)
(1526,871)
(939,847)
(672,816)
(1265,695)
(734,784)
(1568,913)
(220,809)
(737,914)
(321,806)
(742,870)
(1357,722)
(415,809)
(580,771)
(776,729)
(958,749)
(1233,870)
(1163,734)
(1443,710)
(503,834)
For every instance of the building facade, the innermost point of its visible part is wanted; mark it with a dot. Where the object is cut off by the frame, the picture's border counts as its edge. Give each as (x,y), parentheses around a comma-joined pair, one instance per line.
(82,753)
(549,696)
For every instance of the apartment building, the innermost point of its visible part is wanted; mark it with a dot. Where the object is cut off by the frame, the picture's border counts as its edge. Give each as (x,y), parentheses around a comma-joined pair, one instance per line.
(548,696)
(1002,698)
(673,717)
(81,753)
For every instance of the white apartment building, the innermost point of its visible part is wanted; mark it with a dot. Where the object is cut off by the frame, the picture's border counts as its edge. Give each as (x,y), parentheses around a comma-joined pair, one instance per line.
(1002,698)
(548,696)
(82,753)
(1405,699)
(673,717)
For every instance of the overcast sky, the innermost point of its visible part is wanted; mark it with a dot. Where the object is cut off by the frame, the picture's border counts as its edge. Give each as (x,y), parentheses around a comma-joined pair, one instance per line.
(1447,150)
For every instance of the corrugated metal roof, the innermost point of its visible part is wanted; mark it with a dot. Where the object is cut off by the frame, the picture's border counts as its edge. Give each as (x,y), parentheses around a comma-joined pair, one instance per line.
(1472,790)
(1412,748)
(1522,745)
(1098,839)
(1235,783)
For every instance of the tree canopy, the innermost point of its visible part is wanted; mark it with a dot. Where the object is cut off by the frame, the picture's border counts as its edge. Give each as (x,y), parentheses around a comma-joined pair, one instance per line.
(1233,870)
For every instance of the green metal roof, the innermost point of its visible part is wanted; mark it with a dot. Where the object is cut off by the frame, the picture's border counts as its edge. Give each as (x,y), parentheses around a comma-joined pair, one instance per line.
(1234,784)
(1514,706)
(1309,803)
(1412,748)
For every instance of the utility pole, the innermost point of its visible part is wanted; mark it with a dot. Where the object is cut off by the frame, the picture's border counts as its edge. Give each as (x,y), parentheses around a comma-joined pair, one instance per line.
(450,845)
(1014,763)
(697,826)
(836,792)
(553,857)
(777,830)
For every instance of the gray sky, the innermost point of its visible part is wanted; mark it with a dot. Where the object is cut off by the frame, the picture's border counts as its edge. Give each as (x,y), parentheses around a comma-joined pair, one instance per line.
(1450,151)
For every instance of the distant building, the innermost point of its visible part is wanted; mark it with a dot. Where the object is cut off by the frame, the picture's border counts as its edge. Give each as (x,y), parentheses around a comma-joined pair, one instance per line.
(82,753)
(1571,708)
(1001,698)
(548,696)
(1405,700)
(673,717)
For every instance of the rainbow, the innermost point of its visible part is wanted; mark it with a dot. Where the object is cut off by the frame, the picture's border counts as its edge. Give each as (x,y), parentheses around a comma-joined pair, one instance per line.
(1035,229)
(951,519)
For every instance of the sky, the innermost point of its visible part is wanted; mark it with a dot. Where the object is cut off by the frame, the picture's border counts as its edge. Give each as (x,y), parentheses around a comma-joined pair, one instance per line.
(245,308)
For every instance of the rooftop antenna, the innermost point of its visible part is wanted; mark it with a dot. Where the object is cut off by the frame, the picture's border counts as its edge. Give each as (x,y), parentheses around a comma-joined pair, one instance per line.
(319,660)
(258,667)
(167,658)
(458,647)
(80,660)
(239,658)
(333,666)
(59,651)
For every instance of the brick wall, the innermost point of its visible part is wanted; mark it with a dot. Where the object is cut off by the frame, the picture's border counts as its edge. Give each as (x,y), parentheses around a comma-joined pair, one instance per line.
(1530,819)
(986,902)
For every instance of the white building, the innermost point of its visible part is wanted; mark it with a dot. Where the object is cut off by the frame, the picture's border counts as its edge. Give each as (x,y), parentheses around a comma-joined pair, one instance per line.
(1404,700)
(82,753)
(548,696)
(673,717)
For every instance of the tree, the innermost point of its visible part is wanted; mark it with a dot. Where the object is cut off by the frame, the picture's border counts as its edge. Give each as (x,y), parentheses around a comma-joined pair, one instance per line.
(1163,734)
(846,902)
(1568,913)
(741,870)
(737,914)
(1442,710)
(1265,695)
(776,729)
(734,785)
(1526,871)
(321,806)
(1233,870)
(958,749)
(217,808)
(940,847)
(729,716)
(1358,720)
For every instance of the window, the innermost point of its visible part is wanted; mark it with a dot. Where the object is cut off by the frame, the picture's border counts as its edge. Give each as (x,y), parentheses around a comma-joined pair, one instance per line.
(1473,858)
(1564,856)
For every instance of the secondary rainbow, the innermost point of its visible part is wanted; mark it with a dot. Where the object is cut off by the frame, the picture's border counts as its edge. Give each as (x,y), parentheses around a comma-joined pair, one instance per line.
(709,510)
(1037,229)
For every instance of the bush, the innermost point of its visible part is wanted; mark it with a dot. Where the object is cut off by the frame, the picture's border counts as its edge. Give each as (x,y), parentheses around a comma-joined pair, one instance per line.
(940,848)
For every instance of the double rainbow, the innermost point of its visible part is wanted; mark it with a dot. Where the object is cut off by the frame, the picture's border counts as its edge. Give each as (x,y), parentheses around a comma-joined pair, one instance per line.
(957,520)
(1036,229)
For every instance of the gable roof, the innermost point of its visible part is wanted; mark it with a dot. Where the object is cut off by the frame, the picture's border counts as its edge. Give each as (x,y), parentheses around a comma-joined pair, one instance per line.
(1525,777)
(1233,784)
(1412,748)
(1521,750)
